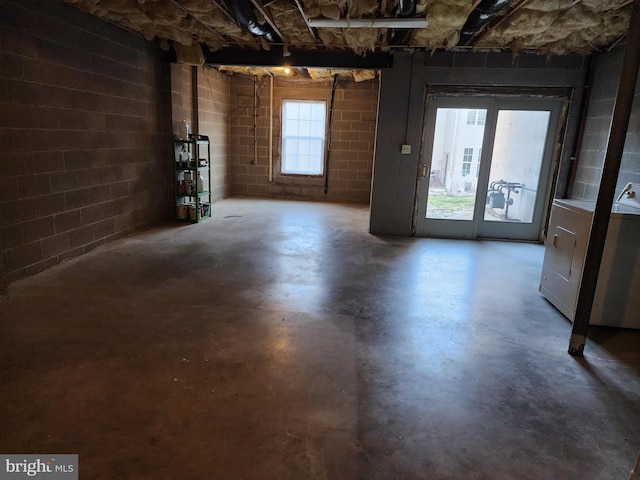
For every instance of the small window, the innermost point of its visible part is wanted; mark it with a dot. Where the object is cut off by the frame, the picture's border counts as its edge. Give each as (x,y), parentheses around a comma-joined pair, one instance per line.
(467,158)
(476,117)
(303,131)
(471,117)
(482,117)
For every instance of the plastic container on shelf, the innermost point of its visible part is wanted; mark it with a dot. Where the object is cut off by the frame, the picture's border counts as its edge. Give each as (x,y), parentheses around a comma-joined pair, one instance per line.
(181,211)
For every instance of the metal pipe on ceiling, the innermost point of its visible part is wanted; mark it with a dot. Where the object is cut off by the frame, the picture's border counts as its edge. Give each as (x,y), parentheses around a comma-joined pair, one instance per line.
(245,15)
(484,11)
(395,36)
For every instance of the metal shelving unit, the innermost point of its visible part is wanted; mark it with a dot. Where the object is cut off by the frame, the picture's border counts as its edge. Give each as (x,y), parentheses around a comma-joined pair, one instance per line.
(192,180)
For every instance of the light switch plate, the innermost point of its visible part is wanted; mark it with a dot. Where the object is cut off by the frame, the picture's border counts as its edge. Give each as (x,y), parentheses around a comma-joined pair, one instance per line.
(406,149)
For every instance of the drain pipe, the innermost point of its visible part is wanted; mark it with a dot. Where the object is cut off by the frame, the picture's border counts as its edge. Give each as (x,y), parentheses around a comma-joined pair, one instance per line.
(326,159)
(195,120)
(584,111)
(271,128)
(606,193)
(255,121)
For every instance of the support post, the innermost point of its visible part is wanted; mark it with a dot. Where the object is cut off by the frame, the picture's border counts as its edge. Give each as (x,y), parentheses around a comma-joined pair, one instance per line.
(606,193)
(635,473)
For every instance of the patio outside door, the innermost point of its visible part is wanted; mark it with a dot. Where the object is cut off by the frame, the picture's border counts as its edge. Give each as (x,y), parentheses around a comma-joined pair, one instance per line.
(485,166)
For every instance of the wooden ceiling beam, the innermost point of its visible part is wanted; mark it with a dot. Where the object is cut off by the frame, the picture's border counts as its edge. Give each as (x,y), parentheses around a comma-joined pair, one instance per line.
(224,10)
(207,27)
(264,10)
(306,21)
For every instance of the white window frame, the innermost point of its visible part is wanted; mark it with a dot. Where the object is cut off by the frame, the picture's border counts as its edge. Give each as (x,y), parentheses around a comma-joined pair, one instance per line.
(285,169)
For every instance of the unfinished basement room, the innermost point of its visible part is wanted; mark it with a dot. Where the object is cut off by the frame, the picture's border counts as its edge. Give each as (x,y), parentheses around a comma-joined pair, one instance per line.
(320,239)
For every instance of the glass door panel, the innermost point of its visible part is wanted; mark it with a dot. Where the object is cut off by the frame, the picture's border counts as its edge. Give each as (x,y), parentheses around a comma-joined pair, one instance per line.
(516,163)
(455,163)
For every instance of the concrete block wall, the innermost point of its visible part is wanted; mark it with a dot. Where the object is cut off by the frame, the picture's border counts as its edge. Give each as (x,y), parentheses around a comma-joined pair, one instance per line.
(213,106)
(181,96)
(352,139)
(84,142)
(212,117)
(607,69)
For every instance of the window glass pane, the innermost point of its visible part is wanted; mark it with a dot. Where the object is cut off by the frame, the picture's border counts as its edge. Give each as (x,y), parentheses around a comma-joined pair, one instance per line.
(452,183)
(303,137)
(291,110)
(305,110)
(316,148)
(516,163)
(303,147)
(317,128)
(290,147)
(304,128)
(317,112)
(291,127)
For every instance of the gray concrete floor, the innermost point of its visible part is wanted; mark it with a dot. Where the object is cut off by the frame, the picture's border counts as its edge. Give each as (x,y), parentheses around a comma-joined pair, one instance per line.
(280,340)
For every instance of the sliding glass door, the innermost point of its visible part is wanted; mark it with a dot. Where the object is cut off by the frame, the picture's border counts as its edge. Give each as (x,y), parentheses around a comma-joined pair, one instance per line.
(485,166)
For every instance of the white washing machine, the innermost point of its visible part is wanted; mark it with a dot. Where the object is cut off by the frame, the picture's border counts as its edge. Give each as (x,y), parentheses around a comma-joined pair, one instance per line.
(617,299)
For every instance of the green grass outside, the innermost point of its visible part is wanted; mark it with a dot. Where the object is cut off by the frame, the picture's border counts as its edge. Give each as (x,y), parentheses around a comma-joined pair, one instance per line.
(443,202)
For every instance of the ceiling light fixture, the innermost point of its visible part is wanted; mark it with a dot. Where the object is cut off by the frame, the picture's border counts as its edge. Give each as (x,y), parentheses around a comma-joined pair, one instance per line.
(368,23)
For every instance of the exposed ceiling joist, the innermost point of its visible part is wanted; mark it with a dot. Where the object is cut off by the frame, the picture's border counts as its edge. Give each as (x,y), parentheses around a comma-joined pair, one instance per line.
(368,23)
(554,27)
(206,27)
(264,11)
(500,20)
(306,20)
(223,10)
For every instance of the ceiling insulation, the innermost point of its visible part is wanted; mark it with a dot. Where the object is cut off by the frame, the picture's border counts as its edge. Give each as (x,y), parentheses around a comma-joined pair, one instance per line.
(362,40)
(547,26)
(296,31)
(445,21)
(555,27)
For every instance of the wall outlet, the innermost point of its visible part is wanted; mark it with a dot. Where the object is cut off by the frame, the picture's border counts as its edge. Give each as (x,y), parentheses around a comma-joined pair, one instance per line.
(406,149)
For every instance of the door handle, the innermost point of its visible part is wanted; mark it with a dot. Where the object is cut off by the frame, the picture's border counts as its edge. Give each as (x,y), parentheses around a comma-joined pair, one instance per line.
(555,240)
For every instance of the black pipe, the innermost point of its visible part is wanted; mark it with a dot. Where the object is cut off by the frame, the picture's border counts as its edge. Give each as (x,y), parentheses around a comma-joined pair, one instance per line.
(406,8)
(607,190)
(244,14)
(584,111)
(195,119)
(485,11)
(326,160)
(400,36)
